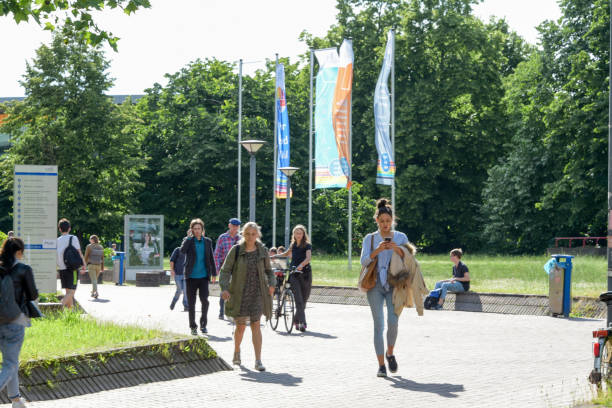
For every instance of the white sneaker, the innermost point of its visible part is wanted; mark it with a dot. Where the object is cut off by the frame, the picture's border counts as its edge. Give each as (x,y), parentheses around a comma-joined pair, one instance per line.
(259,366)
(19,404)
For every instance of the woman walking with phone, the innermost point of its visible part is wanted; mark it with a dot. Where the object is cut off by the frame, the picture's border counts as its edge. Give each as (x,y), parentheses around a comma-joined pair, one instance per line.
(380,246)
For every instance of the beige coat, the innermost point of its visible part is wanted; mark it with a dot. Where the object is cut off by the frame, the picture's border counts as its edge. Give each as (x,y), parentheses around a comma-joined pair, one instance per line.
(407,280)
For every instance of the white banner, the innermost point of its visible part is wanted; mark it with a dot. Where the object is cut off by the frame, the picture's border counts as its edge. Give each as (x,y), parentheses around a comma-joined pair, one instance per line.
(385,169)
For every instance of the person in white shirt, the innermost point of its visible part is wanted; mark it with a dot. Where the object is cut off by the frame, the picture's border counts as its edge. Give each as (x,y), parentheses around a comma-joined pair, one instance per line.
(68,276)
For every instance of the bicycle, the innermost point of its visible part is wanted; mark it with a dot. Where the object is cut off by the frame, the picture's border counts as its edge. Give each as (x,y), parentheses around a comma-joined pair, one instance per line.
(602,351)
(283,301)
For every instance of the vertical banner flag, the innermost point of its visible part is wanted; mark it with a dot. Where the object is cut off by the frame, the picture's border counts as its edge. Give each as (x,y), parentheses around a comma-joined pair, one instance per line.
(332,116)
(341,108)
(385,169)
(282,132)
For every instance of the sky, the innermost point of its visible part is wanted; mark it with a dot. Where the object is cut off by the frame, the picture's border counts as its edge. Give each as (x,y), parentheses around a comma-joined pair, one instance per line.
(168,36)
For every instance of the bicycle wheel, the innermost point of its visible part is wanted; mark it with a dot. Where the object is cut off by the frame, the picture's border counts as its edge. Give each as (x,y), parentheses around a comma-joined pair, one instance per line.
(276,310)
(288,309)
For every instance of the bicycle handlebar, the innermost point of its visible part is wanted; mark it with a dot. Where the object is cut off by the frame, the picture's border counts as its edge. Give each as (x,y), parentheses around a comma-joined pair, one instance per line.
(292,270)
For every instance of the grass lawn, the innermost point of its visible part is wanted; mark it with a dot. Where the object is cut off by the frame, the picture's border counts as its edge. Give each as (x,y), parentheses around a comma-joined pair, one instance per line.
(604,399)
(501,274)
(65,333)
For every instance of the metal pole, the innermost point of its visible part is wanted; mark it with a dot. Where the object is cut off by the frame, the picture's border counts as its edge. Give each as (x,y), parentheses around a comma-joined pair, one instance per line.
(393,117)
(287,213)
(609,319)
(310,160)
(239,134)
(252,189)
(275,136)
(350,175)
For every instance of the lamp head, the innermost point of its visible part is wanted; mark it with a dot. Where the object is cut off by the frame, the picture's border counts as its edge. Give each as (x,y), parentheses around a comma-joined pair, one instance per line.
(252,146)
(288,171)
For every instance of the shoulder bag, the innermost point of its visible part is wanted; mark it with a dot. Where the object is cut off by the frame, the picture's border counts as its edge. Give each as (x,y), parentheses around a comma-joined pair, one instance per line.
(368,275)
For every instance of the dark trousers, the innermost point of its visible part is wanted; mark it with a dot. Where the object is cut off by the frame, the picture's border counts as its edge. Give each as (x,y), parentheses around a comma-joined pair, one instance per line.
(301,283)
(221,306)
(199,285)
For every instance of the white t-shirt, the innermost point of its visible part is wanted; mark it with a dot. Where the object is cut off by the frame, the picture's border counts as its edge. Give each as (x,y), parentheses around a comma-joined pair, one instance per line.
(62,244)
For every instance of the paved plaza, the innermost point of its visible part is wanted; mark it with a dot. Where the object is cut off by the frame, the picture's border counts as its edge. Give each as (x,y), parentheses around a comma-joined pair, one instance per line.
(450,359)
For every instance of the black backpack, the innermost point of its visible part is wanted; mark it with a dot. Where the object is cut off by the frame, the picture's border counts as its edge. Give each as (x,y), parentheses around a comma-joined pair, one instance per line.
(72,257)
(432,299)
(9,310)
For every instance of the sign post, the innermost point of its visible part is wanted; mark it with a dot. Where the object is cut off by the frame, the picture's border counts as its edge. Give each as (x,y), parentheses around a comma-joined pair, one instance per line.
(35,221)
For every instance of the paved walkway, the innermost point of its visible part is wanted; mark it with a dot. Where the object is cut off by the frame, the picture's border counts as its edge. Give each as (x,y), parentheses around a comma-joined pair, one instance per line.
(451,359)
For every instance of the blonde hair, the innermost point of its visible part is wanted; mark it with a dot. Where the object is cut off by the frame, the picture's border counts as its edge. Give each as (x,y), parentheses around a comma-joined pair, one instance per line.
(305,240)
(95,239)
(248,225)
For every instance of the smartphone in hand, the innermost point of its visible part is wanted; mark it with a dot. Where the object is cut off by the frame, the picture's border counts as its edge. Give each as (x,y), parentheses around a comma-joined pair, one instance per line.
(388,239)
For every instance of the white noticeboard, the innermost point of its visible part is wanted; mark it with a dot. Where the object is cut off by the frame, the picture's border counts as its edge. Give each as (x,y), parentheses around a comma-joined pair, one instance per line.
(35,221)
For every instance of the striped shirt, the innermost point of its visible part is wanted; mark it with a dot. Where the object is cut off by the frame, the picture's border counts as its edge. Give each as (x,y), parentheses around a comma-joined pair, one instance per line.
(225,242)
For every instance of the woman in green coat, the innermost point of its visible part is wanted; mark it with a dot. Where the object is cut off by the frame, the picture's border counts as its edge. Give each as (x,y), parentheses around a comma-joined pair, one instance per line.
(247,285)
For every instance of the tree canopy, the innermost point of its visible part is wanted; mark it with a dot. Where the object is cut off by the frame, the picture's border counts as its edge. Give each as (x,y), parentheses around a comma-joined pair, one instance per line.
(67,120)
(500,145)
(70,15)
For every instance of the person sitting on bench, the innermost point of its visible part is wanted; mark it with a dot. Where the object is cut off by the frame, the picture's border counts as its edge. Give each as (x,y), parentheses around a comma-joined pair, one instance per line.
(460,281)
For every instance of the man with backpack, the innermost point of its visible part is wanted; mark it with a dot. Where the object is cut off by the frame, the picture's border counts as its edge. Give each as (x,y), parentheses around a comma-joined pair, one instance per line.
(69,260)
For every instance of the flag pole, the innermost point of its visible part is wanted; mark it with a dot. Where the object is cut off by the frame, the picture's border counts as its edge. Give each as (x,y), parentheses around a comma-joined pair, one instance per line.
(609,246)
(393,117)
(239,133)
(310,151)
(350,176)
(275,155)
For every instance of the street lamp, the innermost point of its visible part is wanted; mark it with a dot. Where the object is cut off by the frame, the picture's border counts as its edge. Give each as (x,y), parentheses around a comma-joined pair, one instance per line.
(252,146)
(288,171)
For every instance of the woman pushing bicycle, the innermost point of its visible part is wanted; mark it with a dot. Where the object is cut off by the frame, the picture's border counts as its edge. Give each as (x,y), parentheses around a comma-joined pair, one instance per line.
(301,283)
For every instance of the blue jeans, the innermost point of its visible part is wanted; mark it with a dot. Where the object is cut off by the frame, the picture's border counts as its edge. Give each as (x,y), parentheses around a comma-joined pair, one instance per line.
(180,289)
(377,296)
(11,340)
(446,286)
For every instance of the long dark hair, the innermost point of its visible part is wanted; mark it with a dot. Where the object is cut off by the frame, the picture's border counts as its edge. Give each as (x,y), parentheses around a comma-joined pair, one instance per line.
(7,255)
(383,206)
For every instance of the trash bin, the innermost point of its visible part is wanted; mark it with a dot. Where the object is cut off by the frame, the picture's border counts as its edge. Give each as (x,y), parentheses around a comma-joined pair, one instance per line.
(560,284)
(118,266)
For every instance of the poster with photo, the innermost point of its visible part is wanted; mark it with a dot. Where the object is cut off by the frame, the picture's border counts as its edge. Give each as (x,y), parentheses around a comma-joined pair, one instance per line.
(144,241)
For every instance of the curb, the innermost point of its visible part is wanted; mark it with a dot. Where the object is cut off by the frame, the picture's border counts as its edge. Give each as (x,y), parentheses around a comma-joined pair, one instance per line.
(503,303)
(75,375)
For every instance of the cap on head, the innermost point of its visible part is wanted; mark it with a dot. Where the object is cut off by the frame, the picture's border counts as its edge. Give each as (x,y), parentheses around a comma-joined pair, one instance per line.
(234,221)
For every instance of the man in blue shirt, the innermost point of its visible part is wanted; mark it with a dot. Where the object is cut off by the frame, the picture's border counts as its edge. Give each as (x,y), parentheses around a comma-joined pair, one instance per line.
(177,267)
(199,271)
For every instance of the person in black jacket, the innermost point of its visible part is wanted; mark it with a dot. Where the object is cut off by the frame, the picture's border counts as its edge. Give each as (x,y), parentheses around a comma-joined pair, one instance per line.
(199,271)
(13,333)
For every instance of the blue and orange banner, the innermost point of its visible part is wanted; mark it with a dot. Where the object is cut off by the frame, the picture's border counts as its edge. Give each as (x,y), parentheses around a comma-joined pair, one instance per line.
(282,132)
(332,117)
(385,169)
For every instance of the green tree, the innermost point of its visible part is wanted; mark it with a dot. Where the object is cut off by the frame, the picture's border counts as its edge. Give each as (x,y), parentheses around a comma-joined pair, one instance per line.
(73,15)
(552,181)
(190,129)
(330,226)
(66,120)
(450,122)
